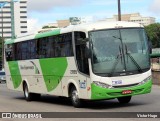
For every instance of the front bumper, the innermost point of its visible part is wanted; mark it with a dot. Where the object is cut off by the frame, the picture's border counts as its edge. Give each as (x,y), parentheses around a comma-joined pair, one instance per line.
(98,93)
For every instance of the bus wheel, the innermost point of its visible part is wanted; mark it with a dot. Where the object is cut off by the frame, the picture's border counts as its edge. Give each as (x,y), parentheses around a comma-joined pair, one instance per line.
(76,102)
(124,100)
(28,96)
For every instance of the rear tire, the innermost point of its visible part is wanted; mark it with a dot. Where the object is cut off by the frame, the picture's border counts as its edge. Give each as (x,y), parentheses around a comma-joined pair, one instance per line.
(76,102)
(124,100)
(30,96)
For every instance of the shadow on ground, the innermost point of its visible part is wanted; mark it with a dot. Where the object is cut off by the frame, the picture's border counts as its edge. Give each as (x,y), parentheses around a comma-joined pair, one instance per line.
(96,105)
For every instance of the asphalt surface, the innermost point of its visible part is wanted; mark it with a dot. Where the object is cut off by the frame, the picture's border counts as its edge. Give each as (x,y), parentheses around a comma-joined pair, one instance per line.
(13,101)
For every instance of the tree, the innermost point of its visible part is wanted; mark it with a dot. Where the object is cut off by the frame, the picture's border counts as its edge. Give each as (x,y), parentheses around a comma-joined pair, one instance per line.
(45,27)
(153,32)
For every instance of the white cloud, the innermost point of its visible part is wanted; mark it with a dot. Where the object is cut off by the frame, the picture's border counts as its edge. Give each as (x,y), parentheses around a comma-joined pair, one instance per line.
(102,2)
(155,7)
(33,25)
(36,23)
(113,2)
(44,5)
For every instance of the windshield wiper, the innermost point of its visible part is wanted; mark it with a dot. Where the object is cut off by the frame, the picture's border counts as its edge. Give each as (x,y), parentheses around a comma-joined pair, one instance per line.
(119,56)
(133,60)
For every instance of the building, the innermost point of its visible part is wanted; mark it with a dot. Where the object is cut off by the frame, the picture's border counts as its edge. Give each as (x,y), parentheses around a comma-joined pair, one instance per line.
(134,17)
(142,20)
(80,20)
(74,21)
(20,18)
(63,23)
(88,19)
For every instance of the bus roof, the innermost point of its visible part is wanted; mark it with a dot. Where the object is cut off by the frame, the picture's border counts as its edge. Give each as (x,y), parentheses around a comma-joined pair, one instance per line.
(81,27)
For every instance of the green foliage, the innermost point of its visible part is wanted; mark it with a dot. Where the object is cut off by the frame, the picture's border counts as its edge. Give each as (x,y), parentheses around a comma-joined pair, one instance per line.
(45,27)
(153,32)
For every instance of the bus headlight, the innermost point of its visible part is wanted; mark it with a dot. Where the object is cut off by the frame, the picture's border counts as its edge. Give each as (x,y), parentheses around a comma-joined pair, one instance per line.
(103,85)
(145,80)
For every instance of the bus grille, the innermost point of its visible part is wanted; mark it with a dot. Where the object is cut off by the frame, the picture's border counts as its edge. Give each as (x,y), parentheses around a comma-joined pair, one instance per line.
(122,86)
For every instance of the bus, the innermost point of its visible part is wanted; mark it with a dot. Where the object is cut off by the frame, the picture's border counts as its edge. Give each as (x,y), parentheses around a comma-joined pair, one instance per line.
(94,61)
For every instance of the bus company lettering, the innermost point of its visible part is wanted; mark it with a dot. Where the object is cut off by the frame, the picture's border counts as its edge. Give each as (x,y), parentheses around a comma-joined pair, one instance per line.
(26,67)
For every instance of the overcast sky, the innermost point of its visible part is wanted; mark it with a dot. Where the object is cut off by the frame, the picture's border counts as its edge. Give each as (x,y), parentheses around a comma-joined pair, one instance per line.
(41,12)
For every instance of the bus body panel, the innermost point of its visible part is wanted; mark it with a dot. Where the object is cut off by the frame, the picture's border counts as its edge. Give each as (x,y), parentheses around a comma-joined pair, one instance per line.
(54,75)
(40,80)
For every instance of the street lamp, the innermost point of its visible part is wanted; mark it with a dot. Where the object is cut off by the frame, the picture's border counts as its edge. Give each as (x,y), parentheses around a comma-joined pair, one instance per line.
(2,4)
(119,10)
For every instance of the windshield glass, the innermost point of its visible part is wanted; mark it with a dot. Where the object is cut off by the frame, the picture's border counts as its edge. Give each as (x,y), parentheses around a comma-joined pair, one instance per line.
(119,51)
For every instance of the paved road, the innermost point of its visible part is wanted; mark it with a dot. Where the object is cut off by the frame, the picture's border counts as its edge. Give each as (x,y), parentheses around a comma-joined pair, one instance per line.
(11,101)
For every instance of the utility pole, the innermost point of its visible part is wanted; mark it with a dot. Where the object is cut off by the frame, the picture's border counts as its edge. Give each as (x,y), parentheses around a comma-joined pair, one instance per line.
(2,40)
(119,10)
(12,19)
(2,4)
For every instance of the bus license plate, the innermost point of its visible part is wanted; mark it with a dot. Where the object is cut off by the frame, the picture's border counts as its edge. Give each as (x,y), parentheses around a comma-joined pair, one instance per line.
(126,92)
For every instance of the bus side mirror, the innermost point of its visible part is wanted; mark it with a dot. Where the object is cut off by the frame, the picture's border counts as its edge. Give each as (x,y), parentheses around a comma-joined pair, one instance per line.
(88,53)
(86,40)
(87,48)
(82,40)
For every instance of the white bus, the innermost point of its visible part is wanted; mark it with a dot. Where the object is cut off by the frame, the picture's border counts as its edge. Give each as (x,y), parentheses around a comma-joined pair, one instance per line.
(96,61)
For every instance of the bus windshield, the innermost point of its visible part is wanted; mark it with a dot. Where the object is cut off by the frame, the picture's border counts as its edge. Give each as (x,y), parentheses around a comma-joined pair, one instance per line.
(119,51)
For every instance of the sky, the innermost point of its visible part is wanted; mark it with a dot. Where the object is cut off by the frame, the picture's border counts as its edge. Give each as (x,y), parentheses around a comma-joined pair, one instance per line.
(41,12)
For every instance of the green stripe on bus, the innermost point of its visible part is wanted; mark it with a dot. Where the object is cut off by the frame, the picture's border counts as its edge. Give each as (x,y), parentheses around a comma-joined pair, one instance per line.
(53,70)
(9,41)
(15,73)
(46,34)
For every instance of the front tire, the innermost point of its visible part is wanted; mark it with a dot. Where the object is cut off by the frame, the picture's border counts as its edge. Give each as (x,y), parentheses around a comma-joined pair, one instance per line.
(76,102)
(124,100)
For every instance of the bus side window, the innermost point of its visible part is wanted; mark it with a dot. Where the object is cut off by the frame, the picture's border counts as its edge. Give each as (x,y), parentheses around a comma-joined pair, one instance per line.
(52,46)
(66,45)
(9,52)
(82,60)
(24,48)
(32,49)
